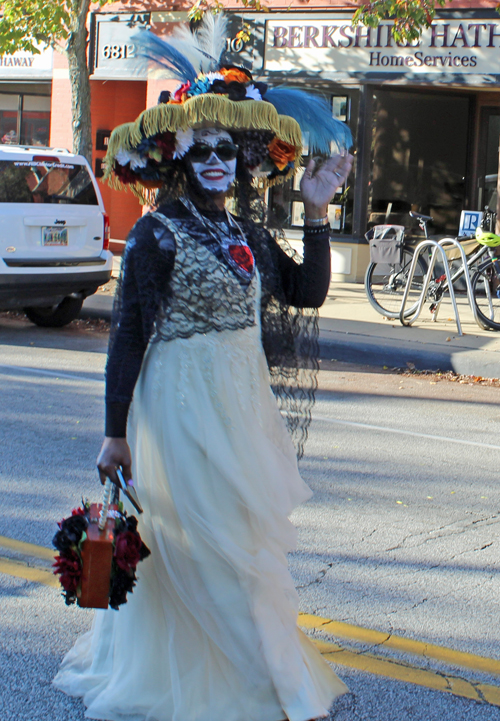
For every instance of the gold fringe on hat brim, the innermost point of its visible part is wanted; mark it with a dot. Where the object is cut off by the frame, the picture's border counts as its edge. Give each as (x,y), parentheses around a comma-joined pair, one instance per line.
(197,112)
(219,110)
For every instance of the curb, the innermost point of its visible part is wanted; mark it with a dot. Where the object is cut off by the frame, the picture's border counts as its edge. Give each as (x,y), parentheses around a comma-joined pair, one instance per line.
(367,350)
(351,348)
(97,307)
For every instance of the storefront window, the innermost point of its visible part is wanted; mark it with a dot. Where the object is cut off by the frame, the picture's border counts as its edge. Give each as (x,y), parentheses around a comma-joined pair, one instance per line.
(418,162)
(24,119)
(488,158)
(9,110)
(285,199)
(35,125)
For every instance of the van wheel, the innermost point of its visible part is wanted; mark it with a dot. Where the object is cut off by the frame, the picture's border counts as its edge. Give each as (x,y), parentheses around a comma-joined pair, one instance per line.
(57,315)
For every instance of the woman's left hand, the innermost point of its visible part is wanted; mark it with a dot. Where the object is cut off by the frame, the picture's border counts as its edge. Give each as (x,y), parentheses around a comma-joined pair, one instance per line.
(318,188)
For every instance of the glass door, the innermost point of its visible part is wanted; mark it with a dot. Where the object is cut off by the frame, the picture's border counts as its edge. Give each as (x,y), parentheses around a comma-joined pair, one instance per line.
(489,141)
(418,158)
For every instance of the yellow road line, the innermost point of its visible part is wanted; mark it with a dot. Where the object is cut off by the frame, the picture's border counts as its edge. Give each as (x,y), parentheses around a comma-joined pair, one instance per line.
(28,549)
(409,674)
(362,661)
(22,570)
(398,643)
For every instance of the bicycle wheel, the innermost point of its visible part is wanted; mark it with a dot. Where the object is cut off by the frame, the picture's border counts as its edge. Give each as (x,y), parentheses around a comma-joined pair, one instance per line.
(486,293)
(385,285)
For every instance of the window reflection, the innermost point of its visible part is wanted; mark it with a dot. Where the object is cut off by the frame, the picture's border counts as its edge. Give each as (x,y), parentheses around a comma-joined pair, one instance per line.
(419,147)
(24,119)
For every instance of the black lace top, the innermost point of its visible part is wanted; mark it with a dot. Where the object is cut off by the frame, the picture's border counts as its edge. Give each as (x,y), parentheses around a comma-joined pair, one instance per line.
(144,292)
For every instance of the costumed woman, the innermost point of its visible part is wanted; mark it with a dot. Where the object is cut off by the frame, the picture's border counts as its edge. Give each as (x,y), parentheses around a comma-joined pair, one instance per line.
(212,310)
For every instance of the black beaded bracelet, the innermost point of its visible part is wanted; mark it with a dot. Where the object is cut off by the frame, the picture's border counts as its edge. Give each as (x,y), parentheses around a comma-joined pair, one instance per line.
(317,230)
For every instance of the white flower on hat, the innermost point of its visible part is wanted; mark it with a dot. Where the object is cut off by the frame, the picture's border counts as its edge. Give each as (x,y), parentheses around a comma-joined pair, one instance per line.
(183,141)
(128,156)
(214,76)
(253,93)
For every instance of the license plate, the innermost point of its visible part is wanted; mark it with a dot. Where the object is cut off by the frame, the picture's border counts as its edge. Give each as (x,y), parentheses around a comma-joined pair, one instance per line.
(54,236)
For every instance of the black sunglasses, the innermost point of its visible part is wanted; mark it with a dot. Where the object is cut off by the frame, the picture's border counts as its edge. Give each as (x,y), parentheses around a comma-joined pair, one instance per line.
(201,152)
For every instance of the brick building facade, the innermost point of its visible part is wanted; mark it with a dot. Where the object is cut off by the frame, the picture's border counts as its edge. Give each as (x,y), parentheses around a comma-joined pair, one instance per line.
(426,119)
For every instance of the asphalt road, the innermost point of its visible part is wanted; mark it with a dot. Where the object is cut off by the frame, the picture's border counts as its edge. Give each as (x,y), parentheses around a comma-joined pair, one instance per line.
(400,537)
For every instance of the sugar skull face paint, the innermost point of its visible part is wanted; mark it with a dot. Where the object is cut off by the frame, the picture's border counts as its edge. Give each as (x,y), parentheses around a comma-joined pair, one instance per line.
(214,174)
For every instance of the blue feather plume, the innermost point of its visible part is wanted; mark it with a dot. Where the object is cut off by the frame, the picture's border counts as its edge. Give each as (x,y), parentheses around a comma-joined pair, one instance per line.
(314,116)
(152,48)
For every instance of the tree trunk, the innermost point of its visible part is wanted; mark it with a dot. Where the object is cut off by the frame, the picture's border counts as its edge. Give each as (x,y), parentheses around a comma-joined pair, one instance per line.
(76,51)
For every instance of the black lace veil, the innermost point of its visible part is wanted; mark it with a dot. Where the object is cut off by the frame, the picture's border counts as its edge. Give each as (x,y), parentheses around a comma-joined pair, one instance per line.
(290,335)
(290,341)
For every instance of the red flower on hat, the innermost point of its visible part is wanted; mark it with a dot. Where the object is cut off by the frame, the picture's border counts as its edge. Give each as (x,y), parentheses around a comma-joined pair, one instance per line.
(180,93)
(242,256)
(124,174)
(166,144)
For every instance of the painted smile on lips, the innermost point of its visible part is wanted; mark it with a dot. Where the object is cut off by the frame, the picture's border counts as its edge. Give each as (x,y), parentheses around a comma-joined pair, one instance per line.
(214,174)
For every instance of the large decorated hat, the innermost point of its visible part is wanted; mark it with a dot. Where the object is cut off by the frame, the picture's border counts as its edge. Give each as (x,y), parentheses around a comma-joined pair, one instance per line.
(266,123)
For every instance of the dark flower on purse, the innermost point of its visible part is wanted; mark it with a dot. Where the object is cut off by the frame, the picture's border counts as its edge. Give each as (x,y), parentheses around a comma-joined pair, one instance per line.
(70,533)
(127,550)
(68,567)
(122,583)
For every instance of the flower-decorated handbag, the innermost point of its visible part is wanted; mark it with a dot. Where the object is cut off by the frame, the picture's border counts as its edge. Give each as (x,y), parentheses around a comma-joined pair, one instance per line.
(99,549)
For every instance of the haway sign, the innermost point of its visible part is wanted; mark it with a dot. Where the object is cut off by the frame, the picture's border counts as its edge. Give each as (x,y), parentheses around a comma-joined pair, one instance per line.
(331,44)
(23,65)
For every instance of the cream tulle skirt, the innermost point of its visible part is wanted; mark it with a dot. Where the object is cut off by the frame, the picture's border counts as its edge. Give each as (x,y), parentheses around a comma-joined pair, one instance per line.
(209,633)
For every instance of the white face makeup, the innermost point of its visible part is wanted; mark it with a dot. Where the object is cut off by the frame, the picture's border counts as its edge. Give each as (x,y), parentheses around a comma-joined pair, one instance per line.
(215,175)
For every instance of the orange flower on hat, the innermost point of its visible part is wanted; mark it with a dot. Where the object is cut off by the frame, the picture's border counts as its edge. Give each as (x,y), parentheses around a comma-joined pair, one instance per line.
(281,153)
(234,75)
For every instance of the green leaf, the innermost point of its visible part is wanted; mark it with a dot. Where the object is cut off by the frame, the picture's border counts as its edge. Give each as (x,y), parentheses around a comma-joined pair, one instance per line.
(82,539)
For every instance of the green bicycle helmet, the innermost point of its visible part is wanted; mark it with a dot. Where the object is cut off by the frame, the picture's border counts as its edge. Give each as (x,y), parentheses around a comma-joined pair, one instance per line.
(484,237)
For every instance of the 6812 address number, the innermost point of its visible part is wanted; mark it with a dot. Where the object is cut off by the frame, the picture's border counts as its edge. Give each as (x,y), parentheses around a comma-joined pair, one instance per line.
(119,52)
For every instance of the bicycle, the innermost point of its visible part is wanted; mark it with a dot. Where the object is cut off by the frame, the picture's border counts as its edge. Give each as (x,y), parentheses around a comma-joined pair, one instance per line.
(385,285)
(486,280)
(385,282)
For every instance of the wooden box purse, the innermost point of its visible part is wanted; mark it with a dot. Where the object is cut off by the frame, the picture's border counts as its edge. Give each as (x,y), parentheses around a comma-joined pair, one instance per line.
(99,549)
(97,552)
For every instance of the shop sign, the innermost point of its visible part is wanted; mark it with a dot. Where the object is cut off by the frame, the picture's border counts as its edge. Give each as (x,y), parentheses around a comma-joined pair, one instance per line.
(469,221)
(22,65)
(326,45)
(115,55)
(115,52)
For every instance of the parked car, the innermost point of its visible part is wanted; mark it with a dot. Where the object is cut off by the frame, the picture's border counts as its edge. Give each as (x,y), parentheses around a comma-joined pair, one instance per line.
(54,233)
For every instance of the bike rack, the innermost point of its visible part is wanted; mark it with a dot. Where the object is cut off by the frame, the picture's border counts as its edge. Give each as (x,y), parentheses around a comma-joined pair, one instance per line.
(438,248)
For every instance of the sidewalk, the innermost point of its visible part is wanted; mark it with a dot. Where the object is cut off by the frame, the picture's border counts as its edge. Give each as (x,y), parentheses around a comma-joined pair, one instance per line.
(352,331)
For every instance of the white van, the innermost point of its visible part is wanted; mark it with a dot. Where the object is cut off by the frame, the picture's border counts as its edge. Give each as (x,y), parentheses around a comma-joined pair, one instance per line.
(54,233)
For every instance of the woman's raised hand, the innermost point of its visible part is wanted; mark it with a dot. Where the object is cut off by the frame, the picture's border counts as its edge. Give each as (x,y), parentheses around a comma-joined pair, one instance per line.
(115,453)
(318,188)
